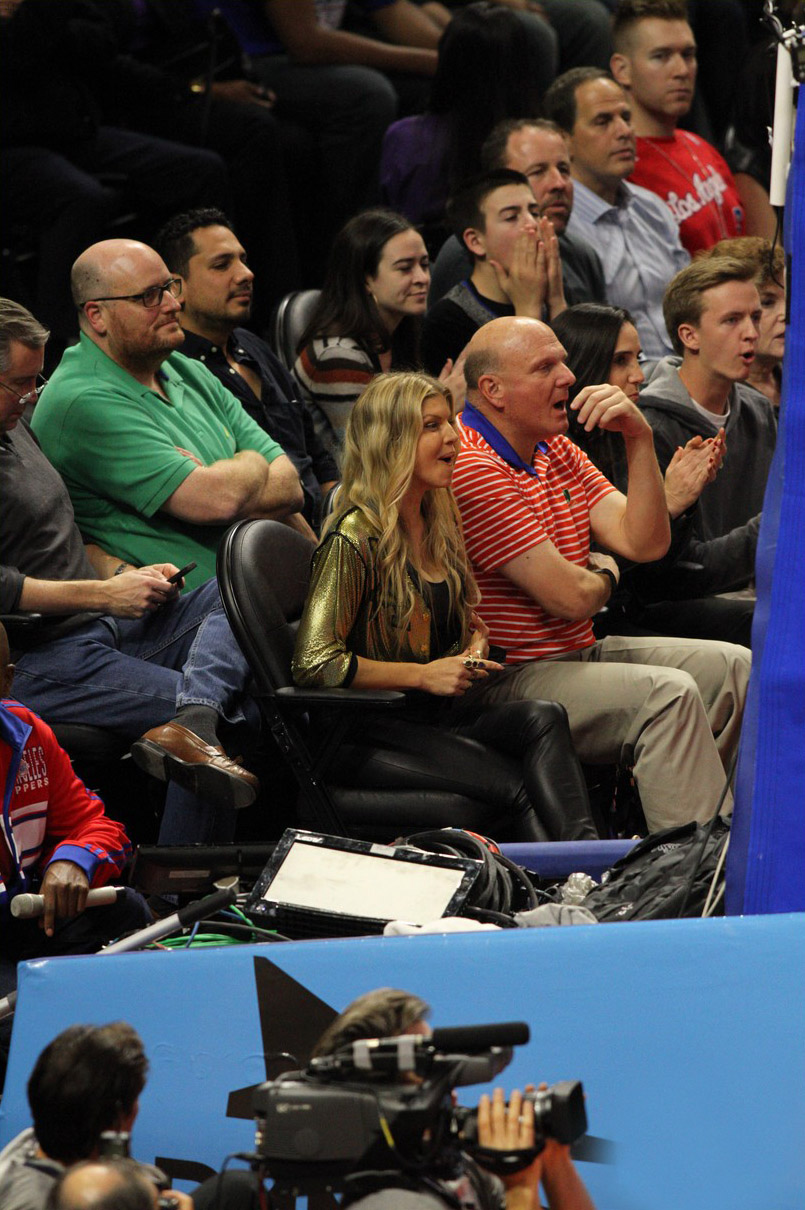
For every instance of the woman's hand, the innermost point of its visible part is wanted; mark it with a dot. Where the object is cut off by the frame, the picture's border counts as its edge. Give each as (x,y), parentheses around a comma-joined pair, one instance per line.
(690,470)
(478,645)
(453,674)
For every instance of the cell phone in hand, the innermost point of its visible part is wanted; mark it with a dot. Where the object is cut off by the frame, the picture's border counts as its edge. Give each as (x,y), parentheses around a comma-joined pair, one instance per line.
(178,576)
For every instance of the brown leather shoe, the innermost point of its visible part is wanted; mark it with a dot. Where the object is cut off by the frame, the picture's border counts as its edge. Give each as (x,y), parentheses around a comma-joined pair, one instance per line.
(174,753)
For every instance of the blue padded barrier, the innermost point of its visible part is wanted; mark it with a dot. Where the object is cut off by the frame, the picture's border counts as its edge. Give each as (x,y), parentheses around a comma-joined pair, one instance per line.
(559,858)
(687,1034)
(767,848)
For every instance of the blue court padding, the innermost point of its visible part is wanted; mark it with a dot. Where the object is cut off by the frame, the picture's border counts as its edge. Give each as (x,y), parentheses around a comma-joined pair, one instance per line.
(767,847)
(687,1035)
(559,858)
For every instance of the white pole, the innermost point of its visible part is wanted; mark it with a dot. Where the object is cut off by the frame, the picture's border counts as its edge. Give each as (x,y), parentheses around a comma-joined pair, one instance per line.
(783,126)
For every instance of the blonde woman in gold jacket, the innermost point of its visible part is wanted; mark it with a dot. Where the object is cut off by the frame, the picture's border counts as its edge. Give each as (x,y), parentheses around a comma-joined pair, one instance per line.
(391,606)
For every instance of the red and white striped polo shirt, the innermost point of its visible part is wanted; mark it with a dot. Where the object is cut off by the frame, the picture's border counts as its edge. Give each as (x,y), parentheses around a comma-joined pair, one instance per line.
(506,512)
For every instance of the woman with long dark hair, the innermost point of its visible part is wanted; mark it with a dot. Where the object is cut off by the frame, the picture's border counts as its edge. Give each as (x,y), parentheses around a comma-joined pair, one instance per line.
(603,345)
(488,70)
(391,606)
(367,319)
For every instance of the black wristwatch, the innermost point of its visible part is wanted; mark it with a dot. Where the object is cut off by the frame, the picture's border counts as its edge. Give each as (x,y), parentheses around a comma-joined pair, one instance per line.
(610,575)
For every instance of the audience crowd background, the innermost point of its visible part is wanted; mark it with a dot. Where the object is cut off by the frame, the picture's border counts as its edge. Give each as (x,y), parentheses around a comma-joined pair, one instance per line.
(559,164)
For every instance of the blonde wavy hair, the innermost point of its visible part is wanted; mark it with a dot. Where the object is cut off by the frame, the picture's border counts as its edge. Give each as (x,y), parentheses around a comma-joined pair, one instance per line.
(380,447)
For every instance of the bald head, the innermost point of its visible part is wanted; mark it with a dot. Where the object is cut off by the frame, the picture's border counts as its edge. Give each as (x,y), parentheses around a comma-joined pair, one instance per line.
(498,342)
(110,266)
(108,282)
(114,1184)
(518,378)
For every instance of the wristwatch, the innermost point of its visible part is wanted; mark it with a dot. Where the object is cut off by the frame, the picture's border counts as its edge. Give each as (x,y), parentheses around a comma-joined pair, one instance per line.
(610,575)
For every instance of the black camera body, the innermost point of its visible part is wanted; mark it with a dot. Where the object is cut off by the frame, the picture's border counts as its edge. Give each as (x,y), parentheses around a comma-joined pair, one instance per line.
(384,1105)
(307,1129)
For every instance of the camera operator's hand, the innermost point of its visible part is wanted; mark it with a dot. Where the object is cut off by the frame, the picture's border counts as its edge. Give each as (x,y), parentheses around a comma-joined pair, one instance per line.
(511,1128)
(563,1186)
(172,1199)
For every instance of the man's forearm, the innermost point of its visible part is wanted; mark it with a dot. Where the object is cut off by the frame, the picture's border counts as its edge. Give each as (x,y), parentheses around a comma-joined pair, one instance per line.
(236,488)
(564,1188)
(62,596)
(341,46)
(105,564)
(281,493)
(646,527)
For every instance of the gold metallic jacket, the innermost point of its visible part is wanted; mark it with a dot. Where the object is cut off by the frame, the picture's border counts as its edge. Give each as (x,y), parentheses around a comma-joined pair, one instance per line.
(342,619)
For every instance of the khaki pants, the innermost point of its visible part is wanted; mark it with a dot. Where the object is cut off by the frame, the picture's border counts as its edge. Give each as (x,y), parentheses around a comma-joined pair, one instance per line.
(670,707)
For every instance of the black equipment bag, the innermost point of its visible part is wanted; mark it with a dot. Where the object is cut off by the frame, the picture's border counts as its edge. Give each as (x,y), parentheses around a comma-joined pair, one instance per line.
(666,875)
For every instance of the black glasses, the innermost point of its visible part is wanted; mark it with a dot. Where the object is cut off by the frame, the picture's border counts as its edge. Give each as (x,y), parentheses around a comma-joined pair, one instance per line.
(150,298)
(29,396)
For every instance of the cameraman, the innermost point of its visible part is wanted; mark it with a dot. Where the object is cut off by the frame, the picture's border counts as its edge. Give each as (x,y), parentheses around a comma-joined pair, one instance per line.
(88,1081)
(389,1013)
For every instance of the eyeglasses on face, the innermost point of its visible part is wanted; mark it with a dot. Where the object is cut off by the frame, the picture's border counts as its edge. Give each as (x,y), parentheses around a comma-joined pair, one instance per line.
(150,298)
(29,396)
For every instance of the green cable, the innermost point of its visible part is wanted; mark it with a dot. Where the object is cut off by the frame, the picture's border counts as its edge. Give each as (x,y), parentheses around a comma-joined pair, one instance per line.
(199,941)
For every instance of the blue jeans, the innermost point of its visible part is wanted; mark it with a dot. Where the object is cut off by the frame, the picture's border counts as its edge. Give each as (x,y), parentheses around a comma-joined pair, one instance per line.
(128,675)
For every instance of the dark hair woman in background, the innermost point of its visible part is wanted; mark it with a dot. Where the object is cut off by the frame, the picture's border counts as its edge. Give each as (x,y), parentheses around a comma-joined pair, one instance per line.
(602,345)
(488,70)
(367,319)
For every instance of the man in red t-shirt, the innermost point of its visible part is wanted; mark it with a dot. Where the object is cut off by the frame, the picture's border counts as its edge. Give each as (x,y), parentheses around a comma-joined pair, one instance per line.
(530,503)
(655,63)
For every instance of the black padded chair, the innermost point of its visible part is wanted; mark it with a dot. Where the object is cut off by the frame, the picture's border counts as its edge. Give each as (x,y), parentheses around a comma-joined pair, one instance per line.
(349,785)
(289,320)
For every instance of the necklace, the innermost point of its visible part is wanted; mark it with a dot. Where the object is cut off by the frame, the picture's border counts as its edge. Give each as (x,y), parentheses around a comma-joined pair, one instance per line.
(715,202)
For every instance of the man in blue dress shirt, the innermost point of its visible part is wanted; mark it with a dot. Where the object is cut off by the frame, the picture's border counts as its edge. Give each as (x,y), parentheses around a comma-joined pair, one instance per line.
(631,229)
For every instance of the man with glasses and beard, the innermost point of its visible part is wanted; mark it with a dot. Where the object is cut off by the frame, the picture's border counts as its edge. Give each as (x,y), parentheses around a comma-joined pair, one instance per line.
(156,454)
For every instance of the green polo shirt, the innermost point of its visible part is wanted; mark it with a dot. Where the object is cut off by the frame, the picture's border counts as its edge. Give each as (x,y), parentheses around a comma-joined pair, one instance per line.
(118,446)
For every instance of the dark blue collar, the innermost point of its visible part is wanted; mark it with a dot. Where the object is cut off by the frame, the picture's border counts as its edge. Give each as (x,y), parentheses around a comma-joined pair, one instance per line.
(473,419)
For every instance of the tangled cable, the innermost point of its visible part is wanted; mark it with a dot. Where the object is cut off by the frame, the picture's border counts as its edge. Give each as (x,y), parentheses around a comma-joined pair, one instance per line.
(501,888)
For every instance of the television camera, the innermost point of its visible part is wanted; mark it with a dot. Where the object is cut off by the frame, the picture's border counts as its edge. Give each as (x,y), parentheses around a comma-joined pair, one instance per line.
(381,1110)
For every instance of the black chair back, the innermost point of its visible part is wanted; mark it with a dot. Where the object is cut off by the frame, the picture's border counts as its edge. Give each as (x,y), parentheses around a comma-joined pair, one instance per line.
(289,321)
(263,575)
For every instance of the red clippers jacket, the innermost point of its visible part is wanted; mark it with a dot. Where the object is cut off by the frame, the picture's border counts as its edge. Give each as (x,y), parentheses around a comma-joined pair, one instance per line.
(48,813)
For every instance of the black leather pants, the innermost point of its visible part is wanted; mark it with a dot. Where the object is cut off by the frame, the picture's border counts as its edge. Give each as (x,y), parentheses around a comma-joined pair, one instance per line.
(509,770)
(536,735)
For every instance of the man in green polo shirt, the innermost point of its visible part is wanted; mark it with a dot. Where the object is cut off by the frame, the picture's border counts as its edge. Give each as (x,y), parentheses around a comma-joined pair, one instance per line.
(159,458)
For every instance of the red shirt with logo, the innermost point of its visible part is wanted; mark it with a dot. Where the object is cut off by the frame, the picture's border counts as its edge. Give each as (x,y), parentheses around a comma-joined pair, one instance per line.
(696,185)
